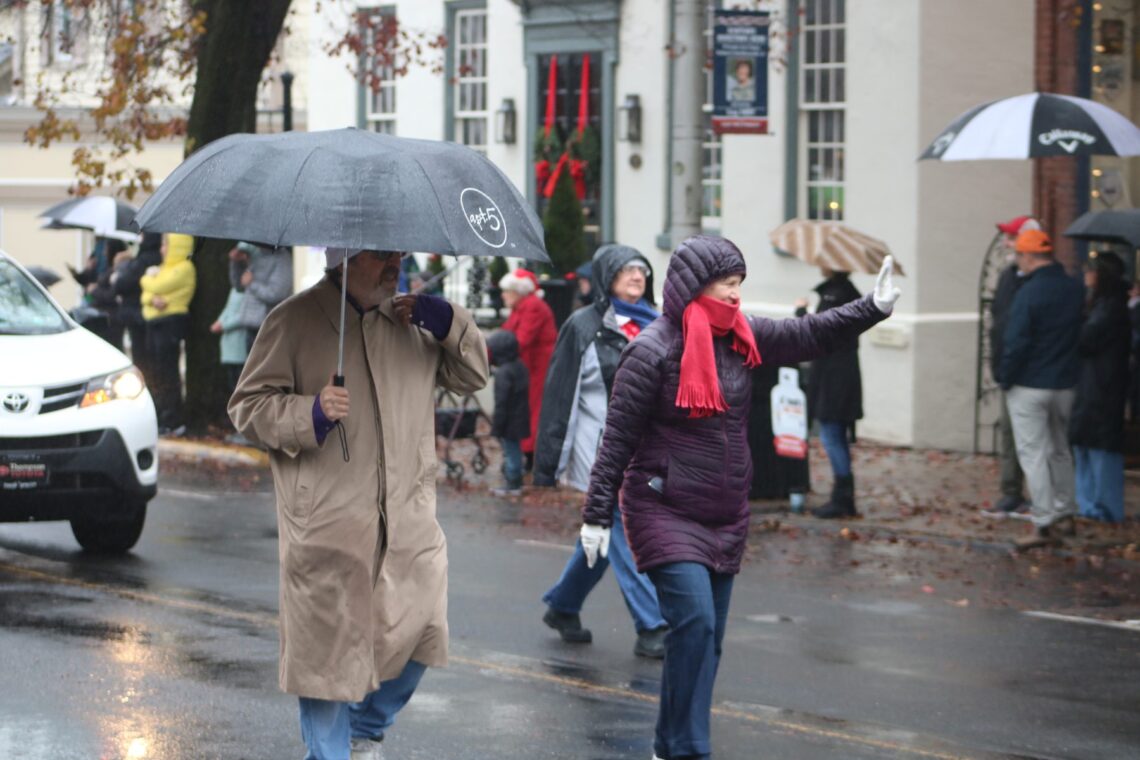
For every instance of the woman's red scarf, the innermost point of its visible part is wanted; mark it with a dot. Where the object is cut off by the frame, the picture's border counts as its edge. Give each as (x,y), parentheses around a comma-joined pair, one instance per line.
(704,318)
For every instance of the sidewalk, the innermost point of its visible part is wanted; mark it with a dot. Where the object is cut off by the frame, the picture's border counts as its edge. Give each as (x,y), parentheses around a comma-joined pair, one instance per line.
(901,493)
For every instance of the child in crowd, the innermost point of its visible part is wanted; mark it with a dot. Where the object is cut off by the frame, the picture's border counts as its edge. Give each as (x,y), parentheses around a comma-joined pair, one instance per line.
(511,422)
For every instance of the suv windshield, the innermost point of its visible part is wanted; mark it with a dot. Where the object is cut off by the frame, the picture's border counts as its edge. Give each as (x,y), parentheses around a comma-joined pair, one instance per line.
(24,309)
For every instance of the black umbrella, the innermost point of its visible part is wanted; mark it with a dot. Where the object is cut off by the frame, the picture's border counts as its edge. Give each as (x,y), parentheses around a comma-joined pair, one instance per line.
(347,188)
(1121,226)
(46,277)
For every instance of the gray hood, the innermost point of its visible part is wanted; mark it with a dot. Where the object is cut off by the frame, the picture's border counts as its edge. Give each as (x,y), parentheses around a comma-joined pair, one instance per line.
(608,261)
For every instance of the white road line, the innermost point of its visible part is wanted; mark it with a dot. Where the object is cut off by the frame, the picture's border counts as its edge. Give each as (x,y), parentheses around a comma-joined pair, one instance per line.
(568,548)
(1123,625)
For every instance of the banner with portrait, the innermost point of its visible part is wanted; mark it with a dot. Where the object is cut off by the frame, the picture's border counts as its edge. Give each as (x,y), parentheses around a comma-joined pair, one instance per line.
(740,72)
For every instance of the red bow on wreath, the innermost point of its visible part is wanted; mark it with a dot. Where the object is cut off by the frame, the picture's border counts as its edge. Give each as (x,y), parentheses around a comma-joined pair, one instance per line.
(577,173)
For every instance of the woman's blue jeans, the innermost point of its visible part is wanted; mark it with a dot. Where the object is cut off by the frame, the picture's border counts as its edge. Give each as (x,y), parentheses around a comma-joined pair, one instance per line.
(833,436)
(695,602)
(1100,483)
(327,727)
(577,581)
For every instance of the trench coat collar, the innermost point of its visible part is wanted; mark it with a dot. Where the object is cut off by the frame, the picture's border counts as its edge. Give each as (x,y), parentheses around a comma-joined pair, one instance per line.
(328,297)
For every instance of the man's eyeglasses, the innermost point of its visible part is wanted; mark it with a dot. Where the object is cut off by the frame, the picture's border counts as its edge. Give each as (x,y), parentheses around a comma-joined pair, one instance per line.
(631,268)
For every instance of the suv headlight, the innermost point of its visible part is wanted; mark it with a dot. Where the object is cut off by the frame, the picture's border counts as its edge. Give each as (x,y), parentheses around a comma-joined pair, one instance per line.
(126,384)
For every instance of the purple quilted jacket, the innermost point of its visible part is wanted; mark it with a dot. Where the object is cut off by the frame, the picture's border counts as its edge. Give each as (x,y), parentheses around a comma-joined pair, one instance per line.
(683,483)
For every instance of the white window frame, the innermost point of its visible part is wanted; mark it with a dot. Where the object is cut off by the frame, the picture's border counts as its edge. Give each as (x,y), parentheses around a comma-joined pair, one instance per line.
(380,103)
(818,65)
(54,52)
(468,81)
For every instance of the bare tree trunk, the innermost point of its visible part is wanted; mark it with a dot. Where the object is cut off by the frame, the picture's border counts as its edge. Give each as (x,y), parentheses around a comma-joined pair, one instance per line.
(234,51)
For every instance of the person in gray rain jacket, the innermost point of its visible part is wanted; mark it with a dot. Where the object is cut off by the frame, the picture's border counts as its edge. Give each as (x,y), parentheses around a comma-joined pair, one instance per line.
(265,277)
(574,403)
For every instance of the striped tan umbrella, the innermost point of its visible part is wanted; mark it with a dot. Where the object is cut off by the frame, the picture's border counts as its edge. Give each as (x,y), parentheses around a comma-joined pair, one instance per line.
(833,245)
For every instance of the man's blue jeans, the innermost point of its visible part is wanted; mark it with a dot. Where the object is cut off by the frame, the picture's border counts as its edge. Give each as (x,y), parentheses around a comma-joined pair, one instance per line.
(833,436)
(570,592)
(327,727)
(695,602)
(1100,483)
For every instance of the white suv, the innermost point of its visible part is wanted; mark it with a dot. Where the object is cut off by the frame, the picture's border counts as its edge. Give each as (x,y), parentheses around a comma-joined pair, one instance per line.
(78,434)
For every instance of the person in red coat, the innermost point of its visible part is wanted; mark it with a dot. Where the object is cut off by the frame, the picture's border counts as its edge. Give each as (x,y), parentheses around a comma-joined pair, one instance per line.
(532,322)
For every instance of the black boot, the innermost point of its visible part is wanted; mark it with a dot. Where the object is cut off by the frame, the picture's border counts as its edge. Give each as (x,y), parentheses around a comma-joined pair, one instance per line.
(569,626)
(842,503)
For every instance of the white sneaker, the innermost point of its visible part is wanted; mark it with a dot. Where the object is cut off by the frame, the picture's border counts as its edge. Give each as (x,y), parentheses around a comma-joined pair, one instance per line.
(366,749)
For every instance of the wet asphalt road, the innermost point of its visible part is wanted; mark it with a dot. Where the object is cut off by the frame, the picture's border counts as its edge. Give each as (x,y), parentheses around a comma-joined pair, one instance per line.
(171,653)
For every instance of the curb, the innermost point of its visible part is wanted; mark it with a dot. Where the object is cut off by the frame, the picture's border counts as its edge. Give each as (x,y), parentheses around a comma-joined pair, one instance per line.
(195,452)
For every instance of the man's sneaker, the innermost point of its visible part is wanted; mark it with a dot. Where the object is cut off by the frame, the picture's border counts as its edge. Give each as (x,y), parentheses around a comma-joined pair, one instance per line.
(569,627)
(366,749)
(651,644)
(1038,539)
(506,491)
(1008,506)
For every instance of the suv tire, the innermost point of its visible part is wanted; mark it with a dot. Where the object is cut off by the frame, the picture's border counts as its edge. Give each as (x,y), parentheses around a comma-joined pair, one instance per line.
(115,535)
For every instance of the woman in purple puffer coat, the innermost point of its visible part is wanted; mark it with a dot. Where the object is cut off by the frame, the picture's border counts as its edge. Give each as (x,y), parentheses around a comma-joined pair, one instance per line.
(675,456)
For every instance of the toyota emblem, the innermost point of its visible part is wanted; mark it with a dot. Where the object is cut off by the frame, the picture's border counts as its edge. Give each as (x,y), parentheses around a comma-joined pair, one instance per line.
(16,402)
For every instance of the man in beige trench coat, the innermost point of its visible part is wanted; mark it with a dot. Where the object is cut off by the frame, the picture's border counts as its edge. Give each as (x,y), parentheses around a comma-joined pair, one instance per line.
(363,597)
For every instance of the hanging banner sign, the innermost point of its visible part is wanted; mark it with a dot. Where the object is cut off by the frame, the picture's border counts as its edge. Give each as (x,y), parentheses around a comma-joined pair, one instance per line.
(740,72)
(789,416)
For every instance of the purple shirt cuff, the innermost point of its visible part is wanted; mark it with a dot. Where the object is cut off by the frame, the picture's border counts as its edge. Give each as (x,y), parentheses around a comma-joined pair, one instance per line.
(433,314)
(322,425)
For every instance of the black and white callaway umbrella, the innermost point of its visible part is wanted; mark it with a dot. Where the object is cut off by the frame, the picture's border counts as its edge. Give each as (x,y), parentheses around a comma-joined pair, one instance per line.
(103,215)
(1036,125)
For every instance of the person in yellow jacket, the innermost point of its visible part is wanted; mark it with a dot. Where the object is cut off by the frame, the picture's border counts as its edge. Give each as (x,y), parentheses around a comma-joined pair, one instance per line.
(166,293)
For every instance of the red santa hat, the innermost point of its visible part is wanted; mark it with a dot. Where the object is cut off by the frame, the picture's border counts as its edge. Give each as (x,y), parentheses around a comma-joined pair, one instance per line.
(522,281)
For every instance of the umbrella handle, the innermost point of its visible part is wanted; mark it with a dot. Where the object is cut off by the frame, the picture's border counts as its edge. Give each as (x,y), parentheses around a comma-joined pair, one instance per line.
(338,381)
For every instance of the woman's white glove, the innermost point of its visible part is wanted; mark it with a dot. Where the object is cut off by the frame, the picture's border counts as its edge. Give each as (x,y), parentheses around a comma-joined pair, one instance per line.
(595,542)
(886,293)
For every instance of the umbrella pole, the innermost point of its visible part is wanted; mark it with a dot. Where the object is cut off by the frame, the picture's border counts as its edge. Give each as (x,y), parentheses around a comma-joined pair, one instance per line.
(338,379)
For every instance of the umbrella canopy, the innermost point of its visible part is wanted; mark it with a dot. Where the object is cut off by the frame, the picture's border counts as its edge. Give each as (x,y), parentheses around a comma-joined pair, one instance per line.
(1121,226)
(1035,126)
(831,244)
(105,216)
(46,277)
(347,188)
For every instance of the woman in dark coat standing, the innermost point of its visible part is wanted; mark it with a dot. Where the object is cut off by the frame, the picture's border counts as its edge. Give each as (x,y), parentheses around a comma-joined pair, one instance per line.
(675,457)
(1096,427)
(835,397)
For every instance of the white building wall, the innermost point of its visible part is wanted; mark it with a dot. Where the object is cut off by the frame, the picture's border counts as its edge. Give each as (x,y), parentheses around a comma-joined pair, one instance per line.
(964,61)
(907,76)
(883,43)
(506,78)
(640,193)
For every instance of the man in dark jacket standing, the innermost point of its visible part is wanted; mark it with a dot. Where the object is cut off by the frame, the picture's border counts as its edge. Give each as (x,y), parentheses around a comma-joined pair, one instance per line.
(511,420)
(1009,281)
(1039,373)
(574,404)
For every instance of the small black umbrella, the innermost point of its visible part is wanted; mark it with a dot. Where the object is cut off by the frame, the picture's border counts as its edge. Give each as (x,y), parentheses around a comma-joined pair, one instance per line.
(1111,226)
(347,188)
(46,277)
